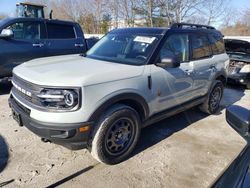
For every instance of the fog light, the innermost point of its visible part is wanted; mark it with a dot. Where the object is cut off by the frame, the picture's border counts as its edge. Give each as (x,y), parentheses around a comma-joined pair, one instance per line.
(241,80)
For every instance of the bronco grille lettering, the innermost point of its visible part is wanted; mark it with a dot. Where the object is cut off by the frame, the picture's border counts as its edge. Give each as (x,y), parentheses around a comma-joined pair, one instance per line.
(21,89)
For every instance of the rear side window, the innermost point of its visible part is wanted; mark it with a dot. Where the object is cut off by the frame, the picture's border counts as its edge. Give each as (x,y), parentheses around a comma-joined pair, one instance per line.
(217,44)
(26,30)
(201,47)
(60,31)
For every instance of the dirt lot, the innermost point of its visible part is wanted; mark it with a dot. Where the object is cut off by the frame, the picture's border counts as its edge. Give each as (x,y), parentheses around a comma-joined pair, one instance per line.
(187,150)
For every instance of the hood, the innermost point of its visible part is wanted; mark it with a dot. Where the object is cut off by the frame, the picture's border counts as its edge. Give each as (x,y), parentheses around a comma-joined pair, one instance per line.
(74,70)
(237,46)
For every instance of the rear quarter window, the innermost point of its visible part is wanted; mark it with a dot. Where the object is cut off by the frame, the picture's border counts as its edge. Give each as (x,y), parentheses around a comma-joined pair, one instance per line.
(60,31)
(217,44)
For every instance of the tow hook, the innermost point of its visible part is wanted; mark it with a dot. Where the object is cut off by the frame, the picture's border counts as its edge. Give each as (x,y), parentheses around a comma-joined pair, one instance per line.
(45,140)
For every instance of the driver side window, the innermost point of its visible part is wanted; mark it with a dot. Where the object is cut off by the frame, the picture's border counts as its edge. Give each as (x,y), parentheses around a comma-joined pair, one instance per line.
(25,30)
(176,45)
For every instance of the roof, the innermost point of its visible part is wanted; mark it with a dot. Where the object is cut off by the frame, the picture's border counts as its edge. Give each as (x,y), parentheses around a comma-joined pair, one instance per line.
(144,30)
(9,20)
(163,30)
(32,4)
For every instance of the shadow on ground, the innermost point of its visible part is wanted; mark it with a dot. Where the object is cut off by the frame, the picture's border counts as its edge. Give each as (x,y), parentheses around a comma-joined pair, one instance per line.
(5,88)
(6,183)
(159,131)
(4,154)
(232,94)
(68,178)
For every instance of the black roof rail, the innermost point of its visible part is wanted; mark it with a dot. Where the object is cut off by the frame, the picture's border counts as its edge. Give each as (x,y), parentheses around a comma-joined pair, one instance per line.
(197,26)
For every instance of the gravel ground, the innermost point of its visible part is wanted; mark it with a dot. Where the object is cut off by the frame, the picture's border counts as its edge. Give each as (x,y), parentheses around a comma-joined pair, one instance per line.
(187,150)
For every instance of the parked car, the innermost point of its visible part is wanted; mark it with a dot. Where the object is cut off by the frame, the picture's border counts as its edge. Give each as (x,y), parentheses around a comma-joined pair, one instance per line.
(238,49)
(23,39)
(238,173)
(131,78)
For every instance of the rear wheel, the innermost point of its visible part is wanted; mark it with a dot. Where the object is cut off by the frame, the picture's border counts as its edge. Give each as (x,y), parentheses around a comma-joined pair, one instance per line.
(116,135)
(212,103)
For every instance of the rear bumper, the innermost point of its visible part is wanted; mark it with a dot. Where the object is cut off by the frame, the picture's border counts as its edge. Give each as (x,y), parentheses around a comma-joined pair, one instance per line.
(68,135)
(239,78)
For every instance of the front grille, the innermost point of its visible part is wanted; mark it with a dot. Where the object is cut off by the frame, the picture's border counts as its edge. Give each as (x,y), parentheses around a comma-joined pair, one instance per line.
(23,108)
(26,90)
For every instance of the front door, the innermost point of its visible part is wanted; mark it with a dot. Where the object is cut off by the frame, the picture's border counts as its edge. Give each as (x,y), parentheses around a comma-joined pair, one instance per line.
(27,43)
(173,86)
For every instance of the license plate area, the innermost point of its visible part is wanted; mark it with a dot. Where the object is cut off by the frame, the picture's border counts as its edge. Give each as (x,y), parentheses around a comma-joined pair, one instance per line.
(17,117)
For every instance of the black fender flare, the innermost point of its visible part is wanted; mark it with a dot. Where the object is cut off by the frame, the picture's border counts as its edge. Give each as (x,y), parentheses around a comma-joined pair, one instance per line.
(138,99)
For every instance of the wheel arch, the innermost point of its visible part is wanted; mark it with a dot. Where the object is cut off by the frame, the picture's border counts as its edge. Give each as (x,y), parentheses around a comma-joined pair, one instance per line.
(222,78)
(133,100)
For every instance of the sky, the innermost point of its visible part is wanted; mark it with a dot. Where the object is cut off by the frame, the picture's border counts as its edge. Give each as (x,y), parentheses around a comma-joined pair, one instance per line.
(9,6)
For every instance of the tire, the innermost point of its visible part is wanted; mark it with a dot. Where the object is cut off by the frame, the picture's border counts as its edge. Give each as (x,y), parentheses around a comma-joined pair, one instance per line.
(116,135)
(212,102)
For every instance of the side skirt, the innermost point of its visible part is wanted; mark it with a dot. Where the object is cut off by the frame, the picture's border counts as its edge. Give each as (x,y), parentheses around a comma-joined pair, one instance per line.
(172,111)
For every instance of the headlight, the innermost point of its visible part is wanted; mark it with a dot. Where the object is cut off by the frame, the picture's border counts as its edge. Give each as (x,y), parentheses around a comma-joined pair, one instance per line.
(60,99)
(245,69)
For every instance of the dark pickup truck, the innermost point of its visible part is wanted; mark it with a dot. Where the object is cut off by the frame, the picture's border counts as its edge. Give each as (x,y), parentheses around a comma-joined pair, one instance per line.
(23,39)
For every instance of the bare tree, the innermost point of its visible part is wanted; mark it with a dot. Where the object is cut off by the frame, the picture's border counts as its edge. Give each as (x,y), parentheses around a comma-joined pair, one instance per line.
(146,9)
(246,17)
(69,9)
(214,10)
(99,7)
(196,19)
(179,10)
(127,11)
(95,15)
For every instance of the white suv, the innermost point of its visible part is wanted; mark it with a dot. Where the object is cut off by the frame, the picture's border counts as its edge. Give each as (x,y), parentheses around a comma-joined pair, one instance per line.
(130,79)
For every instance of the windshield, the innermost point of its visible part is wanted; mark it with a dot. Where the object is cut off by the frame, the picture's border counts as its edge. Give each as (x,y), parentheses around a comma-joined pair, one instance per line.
(237,46)
(132,49)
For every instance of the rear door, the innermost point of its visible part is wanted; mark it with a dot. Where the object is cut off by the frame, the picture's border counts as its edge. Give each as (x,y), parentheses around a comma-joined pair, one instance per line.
(28,43)
(63,39)
(202,60)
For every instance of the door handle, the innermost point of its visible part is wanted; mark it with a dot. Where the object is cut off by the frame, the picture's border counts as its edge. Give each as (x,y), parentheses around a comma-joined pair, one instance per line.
(79,45)
(38,45)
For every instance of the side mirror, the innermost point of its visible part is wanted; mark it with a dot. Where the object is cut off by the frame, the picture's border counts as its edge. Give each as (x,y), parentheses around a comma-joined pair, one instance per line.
(239,119)
(6,34)
(170,62)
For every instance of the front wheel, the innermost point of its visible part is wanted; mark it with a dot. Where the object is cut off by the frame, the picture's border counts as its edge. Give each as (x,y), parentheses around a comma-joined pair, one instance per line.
(116,135)
(212,103)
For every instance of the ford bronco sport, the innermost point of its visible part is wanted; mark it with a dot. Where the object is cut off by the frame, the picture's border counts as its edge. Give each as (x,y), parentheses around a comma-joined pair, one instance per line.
(131,78)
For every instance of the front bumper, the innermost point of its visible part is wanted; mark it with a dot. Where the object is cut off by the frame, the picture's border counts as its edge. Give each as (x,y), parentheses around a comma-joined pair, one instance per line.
(239,78)
(68,135)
